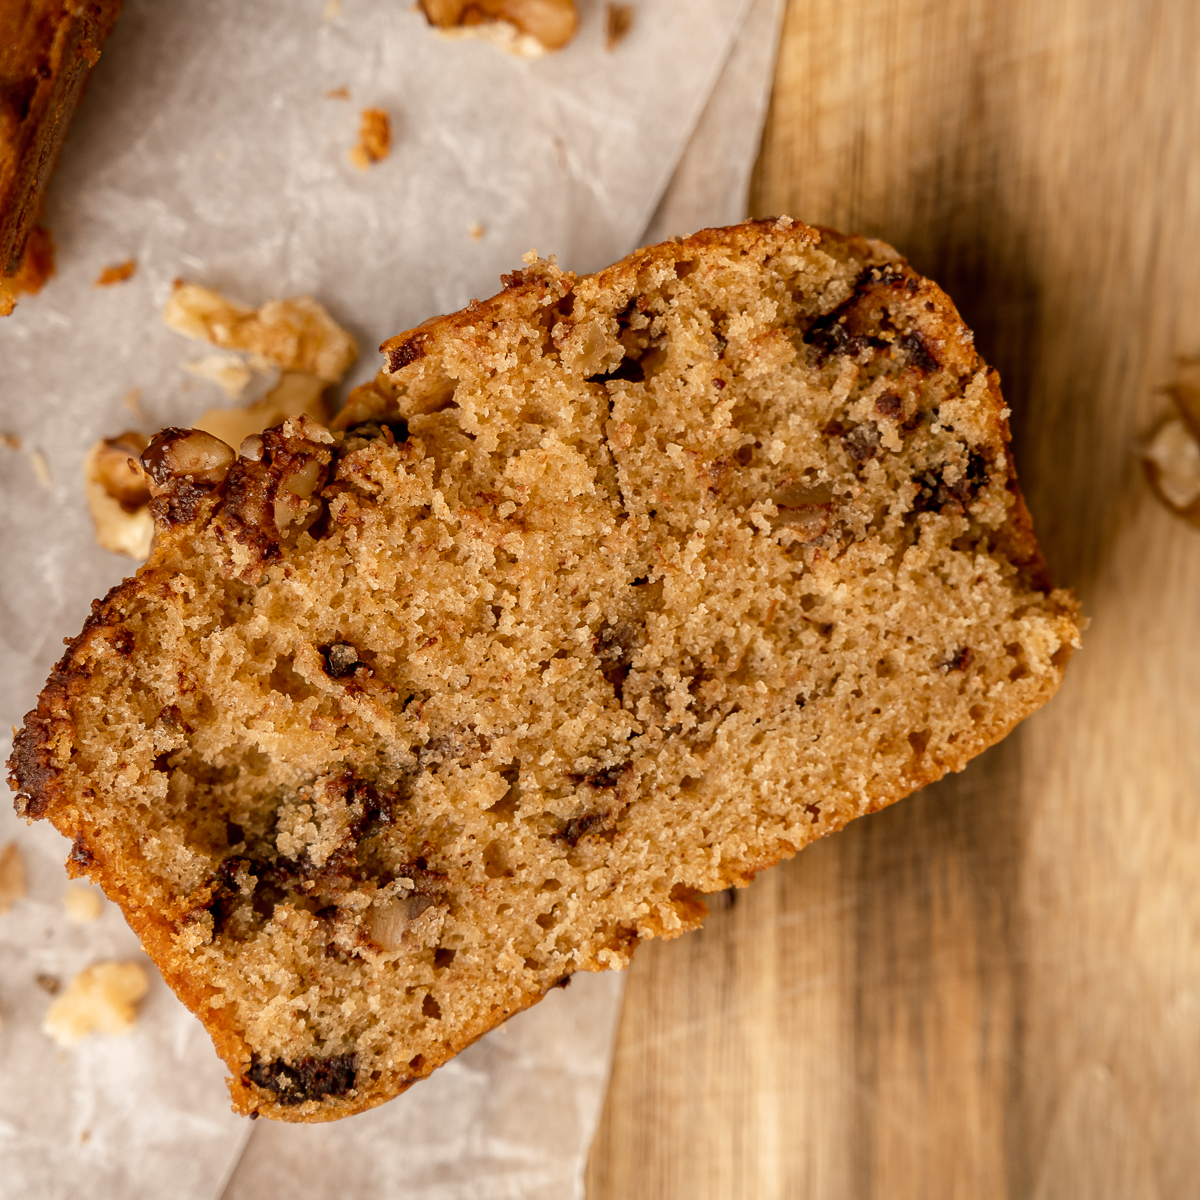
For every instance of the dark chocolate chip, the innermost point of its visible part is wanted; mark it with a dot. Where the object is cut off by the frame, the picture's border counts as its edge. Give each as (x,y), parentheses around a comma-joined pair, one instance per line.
(307,1079)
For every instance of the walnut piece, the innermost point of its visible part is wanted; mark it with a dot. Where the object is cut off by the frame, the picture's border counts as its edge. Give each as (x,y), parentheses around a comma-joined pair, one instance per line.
(12,877)
(1171,458)
(525,27)
(117,273)
(118,494)
(100,999)
(296,334)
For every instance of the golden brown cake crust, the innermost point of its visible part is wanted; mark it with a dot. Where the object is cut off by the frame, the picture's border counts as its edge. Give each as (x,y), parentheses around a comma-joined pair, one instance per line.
(609,592)
(47,50)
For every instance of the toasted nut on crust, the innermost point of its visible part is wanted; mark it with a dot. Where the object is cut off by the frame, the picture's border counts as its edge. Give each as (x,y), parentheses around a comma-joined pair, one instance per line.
(187,454)
(524,27)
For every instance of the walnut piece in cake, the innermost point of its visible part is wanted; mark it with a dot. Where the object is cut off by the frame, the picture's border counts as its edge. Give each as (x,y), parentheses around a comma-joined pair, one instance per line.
(606,594)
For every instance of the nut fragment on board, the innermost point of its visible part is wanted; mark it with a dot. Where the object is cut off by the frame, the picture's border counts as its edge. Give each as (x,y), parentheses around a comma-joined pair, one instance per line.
(12,876)
(101,999)
(527,28)
(295,334)
(118,494)
(82,903)
(1171,457)
(374,139)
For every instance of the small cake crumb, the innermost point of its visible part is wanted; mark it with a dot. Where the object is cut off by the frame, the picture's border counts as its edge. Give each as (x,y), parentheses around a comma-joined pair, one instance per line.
(618,20)
(230,374)
(83,903)
(117,273)
(10,440)
(37,460)
(374,139)
(50,984)
(133,401)
(12,876)
(333,10)
(476,231)
(100,999)
(338,93)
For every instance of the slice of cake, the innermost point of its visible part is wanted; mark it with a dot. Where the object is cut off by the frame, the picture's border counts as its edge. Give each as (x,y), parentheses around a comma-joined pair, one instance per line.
(607,593)
(47,51)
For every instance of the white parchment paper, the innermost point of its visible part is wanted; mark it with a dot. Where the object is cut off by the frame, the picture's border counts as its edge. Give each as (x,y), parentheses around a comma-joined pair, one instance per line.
(208,149)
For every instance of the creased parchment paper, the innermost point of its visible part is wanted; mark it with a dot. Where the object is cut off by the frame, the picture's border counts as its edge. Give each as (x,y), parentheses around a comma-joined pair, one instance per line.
(208,149)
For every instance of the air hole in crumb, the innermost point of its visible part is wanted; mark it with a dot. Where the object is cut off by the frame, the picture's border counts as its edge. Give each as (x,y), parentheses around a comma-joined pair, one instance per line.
(918,741)
(1061,656)
(501,909)
(551,885)
(975,712)
(744,455)
(546,921)
(443,956)
(808,602)
(1018,672)
(494,866)
(689,783)
(431,1008)
(684,269)
(376,1076)
(417,1062)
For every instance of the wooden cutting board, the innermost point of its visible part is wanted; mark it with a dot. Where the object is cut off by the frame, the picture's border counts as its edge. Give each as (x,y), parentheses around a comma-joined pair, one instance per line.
(992,989)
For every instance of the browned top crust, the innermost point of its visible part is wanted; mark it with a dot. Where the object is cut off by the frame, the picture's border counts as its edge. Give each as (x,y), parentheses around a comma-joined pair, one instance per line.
(47,50)
(609,592)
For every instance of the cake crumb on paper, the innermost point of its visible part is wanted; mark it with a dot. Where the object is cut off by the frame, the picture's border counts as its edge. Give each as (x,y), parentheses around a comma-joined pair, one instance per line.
(133,401)
(374,139)
(50,984)
(10,440)
(337,93)
(83,903)
(476,231)
(117,273)
(12,876)
(100,999)
(618,20)
(333,10)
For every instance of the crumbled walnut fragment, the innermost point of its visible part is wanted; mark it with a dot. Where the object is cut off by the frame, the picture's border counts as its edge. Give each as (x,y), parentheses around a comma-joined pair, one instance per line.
(374,139)
(1171,458)
(230,374)
(83,903)
(618,19)
(118,495)
(12,877)
(100,999)
(298,393)
(525,27)
(296,334)
(117,273)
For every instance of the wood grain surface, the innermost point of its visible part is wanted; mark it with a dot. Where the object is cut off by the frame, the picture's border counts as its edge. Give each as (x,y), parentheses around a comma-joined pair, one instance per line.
(993,988)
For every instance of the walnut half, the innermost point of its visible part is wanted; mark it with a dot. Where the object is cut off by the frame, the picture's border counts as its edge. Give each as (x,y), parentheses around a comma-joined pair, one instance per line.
(118,494)
(525,27)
